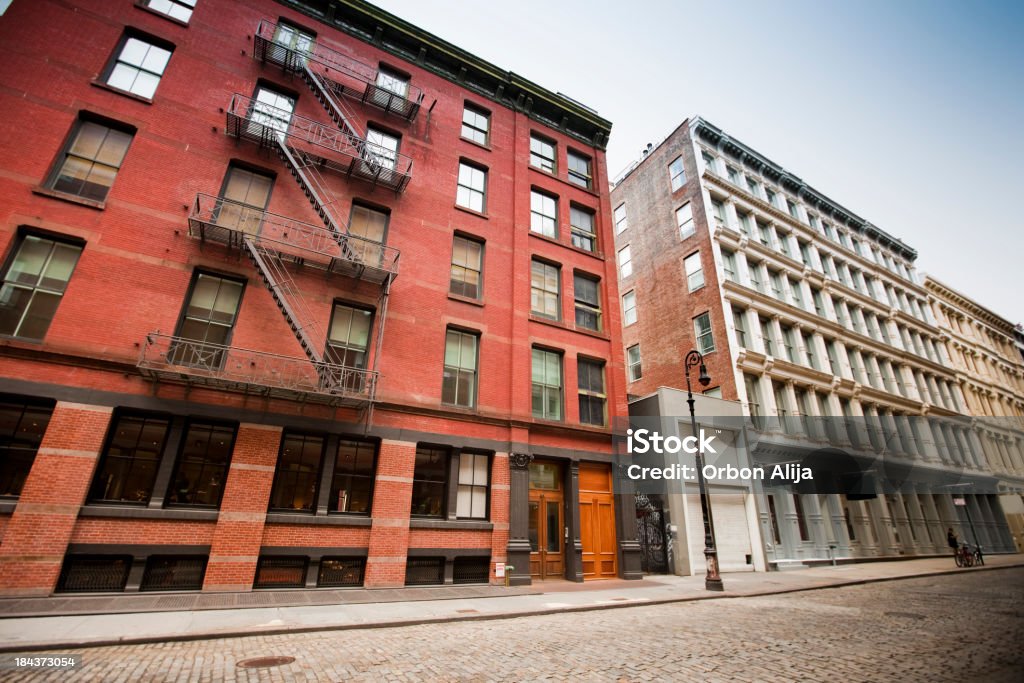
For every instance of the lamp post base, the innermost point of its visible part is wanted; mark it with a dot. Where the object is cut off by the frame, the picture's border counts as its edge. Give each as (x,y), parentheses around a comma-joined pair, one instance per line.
(713,584)
(712,580)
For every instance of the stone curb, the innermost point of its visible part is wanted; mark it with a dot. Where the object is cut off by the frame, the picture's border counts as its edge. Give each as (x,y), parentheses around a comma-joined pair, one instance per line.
(241,633)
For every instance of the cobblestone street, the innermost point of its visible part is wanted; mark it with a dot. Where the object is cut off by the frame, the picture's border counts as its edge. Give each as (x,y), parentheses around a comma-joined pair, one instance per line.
(941,628)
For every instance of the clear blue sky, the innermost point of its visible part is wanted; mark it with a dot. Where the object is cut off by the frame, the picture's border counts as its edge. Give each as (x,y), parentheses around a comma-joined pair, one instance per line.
(909,113)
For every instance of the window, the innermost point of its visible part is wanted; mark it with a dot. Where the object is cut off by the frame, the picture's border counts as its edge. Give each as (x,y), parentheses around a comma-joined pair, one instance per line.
(34,285)
(429,482)
(348,339)
(789,343)
(775,278)
(393,82)
(801,519)
(22,426)
(542,154)
(581,222)
(592,396)
(202,467)
(766,335)
(371,227)
(625,262)
(271,109)
(684,219)
(94,573)
(738,320)
(628,308)
(745,222)
(281,572)
(128,466)
(476,124)
(381,148)
(546,397)
(247,194)
(138,66)
(791,204)
(543,214)
(545,289)
(709,161)
(753,187)
(734,175)
(175,9)
(467,267)
(819,304)
(702,333)
(783,241)
(677,174)
(812,359)
(798,297)
(694,271)
(713,392)
(458,386)
(729,265)
(471,498)
(297,473)
(587,291)
(772,198)
(295,39)
(173,573)
(579,169)
(620,218)
(833,358)
(91,160)
(764,234)
(352,483)
(753,402)
(633,369)
(208,318)
(472,189)
(718,208)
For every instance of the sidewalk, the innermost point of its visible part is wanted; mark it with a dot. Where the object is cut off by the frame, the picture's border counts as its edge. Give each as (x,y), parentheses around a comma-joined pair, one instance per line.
(442,604)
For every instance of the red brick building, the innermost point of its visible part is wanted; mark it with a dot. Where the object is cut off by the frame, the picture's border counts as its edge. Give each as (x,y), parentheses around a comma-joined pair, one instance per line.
(296,294)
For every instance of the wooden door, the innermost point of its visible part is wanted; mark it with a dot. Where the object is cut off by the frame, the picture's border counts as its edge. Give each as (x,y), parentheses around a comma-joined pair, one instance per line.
(597,522)
(546,521)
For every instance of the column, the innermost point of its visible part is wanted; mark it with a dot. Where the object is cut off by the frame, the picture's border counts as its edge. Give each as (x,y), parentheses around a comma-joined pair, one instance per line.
(834,510)
(392,505)
(243,510)
(518,519)
(933,520)
(625,526)
(38,532)
(500,508)
(574,545)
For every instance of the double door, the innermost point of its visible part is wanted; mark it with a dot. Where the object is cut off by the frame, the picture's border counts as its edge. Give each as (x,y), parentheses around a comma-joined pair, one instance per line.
(547,528)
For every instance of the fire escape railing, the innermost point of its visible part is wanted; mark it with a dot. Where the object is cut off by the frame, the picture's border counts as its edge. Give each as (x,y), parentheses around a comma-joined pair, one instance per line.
(186,361)
(227,222)
(323,146)
(351,77)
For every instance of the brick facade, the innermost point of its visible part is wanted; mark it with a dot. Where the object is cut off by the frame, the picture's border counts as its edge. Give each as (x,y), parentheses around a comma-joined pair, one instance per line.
(138,262)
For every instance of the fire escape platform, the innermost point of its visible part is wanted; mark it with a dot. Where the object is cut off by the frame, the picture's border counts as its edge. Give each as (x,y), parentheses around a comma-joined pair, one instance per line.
(340,68)
(317,145)
(201,364)
(230,223)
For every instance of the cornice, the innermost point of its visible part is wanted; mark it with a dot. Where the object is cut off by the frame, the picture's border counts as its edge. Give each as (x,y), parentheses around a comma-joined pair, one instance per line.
(383,30)
(945,293)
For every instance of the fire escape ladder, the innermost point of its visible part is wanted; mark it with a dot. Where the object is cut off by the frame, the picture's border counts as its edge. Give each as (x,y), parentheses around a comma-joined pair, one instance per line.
(303,168)
(329,94)
(287,296)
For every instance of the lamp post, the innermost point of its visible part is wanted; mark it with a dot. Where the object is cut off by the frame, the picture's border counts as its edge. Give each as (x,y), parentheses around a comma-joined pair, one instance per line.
(712,580)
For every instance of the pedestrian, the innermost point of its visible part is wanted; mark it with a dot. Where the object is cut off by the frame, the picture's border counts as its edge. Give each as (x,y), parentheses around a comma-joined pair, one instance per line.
(951,540)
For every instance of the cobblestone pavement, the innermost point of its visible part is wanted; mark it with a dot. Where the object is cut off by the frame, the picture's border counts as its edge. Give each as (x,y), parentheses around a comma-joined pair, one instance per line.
(967,626)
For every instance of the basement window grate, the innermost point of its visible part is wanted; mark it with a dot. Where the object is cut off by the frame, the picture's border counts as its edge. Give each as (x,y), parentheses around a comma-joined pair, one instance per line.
(424,571)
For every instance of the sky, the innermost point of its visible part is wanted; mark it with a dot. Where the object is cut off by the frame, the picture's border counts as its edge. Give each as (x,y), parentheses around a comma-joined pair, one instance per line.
(908,113)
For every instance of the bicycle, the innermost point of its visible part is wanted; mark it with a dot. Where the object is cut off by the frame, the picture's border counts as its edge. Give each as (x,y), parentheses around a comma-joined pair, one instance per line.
(979,559)
(963,556)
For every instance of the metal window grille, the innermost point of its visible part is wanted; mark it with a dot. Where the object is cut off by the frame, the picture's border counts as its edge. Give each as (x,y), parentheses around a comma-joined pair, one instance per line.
(472,569)
(281,572)
(94,574)
(174,573)
(424,571)
(341,571)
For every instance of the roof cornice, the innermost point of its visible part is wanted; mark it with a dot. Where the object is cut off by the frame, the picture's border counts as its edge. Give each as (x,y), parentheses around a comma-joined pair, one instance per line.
(410,43)
(943,290)
(708,131)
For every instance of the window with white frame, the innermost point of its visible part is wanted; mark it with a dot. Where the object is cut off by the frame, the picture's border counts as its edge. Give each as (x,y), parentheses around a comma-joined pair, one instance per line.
(392,81)
(471,498)
(545,289)
(459,383)
(633,369)
(543,214)
(729,265)
(694,272)
(587,294)
(472,188)
(629,315)
(677,174)
(581,222)
(702,333)
(546,398)
(620,218)
(34,285)
(175,9)
(625,262)
(579,169)
(138,65)
(592,397)
(381,148)
(476,124)
(684,219)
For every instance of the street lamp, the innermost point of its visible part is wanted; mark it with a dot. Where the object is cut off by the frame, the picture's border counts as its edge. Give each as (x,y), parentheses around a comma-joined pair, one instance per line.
(967,508)
(712,580)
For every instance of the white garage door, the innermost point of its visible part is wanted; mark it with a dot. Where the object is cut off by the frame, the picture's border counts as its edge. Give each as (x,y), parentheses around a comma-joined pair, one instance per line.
(731,533)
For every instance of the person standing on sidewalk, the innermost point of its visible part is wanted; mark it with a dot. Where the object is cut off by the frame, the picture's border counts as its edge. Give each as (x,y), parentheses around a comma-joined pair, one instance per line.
(951,540)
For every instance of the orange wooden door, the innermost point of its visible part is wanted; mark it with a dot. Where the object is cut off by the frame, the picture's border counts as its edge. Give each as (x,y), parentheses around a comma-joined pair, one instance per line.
(597,522)
(546,522)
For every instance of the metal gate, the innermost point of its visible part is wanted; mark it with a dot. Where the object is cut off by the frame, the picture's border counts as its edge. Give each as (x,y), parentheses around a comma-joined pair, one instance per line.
(651,533)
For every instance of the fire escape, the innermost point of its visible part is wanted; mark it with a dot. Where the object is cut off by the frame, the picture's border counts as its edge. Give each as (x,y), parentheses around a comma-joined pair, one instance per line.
(279,246)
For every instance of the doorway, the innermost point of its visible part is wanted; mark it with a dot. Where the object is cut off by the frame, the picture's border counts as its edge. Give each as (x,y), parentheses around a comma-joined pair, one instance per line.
(597,522)
(547,527)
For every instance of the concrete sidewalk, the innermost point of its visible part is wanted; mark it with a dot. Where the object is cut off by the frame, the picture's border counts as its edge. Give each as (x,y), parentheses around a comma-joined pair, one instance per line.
(70,631)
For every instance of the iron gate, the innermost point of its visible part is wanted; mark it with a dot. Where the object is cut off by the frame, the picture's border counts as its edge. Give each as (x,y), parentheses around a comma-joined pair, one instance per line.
(651,532)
